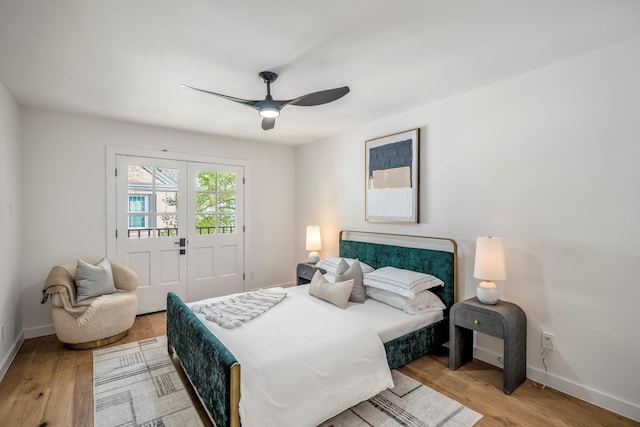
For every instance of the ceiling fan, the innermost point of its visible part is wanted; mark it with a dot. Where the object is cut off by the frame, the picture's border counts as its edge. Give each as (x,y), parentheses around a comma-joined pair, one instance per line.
(269,108)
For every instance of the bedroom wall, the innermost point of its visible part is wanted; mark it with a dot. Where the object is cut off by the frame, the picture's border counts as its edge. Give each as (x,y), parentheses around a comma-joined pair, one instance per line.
(65,203)
(10,224)
(548,161)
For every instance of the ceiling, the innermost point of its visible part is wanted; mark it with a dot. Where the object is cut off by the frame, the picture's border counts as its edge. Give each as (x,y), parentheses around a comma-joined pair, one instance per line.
(126,59)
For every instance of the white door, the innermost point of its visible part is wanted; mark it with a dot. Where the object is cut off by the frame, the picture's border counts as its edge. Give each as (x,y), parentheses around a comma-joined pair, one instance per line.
(150,226)
(215,230)
(180,228)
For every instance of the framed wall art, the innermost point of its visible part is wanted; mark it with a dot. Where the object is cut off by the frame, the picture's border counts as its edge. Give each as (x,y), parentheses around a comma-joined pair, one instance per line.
(392,171)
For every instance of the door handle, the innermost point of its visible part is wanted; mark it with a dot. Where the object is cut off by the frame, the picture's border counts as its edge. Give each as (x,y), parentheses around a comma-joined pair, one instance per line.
(182,242)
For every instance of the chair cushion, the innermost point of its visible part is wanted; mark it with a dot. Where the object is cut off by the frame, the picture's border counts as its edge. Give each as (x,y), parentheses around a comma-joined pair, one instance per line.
(93,280)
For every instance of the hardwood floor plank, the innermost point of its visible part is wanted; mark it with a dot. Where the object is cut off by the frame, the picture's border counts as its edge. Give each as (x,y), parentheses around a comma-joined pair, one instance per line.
(82,414)
(59,407)
(34,387)
(478,385)
(50,385)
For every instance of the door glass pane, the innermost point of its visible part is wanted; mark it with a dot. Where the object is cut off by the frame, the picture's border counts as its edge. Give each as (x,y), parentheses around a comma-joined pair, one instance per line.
(227,203)
(206,180)
(167,225)
(215,202)
(206,202)
(227,224)
(226,182)
(152,191)
(206,224)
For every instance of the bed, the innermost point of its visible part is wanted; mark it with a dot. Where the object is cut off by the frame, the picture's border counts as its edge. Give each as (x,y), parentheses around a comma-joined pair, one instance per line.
(213,369)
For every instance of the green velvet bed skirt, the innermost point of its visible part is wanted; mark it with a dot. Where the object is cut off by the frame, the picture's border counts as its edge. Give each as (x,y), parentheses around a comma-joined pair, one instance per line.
(413,345)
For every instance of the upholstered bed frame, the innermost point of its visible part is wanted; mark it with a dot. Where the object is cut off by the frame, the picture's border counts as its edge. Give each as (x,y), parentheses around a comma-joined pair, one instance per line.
(215,373)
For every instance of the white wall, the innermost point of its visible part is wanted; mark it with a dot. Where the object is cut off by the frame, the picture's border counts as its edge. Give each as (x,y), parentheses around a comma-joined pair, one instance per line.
(549,162)
(10,225)
(64,183)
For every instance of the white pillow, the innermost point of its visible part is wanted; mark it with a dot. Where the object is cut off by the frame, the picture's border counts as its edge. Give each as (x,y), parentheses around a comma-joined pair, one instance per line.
(423,302)
(93,280)
(336,293)
(403,282)
(331,264)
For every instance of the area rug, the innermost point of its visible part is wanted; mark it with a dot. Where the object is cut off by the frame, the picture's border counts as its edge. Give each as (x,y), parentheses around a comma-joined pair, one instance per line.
(407,404)
(136,384)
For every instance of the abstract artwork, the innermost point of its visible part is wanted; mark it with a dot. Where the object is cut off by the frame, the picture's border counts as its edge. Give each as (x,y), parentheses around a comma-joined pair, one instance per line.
(392,171)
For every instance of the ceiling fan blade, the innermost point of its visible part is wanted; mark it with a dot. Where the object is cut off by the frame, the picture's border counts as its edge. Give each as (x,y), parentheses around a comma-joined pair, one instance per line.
(319,98)
(268,123)
(247,102)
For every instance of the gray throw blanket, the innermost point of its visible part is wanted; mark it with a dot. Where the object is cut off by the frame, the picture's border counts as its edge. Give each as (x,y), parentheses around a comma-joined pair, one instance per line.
(233,312)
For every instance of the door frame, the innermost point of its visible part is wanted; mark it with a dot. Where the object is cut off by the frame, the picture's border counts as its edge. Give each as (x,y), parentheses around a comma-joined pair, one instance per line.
(111,186)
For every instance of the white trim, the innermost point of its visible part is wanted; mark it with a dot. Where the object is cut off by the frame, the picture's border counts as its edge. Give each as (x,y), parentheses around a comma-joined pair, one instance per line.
(6,363)
(39,331)
(595,397)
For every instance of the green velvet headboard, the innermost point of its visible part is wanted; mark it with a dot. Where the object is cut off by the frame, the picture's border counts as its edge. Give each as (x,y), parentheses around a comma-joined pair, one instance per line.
(381,249)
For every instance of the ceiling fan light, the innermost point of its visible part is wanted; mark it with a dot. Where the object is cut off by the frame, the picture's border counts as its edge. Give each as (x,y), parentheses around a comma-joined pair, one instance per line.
(269,112)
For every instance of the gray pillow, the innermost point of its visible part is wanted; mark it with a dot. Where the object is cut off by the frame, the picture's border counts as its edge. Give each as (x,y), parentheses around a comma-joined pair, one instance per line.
(93,280)
(336,293)
(346,272)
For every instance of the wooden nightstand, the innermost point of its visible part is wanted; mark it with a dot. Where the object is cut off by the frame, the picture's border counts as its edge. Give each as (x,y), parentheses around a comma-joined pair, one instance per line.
(305,271)
(503,320)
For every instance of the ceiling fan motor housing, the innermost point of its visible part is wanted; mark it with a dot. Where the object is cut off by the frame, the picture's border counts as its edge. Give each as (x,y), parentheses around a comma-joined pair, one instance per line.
(268,76)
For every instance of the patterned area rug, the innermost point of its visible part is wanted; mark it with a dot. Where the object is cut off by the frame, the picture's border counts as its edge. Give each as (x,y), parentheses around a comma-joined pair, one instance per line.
(407,404)
(136,384)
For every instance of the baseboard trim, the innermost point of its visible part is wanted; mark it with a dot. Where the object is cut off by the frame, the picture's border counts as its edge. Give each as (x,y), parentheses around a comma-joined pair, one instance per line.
(598,398)
(6,363)
(39,331)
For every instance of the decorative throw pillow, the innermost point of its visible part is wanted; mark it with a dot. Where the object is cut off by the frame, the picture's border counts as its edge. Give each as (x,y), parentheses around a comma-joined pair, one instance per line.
(336,293)
(345,272)
(93,280)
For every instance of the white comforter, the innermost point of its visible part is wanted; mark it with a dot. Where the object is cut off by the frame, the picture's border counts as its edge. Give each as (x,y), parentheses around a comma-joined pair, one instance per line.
(302,364)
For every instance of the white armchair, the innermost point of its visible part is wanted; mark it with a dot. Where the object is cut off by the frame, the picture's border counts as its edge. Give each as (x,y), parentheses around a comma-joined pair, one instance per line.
(95,321)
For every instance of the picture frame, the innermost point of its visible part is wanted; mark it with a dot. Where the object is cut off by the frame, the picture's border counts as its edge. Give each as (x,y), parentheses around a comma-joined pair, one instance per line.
(392,171)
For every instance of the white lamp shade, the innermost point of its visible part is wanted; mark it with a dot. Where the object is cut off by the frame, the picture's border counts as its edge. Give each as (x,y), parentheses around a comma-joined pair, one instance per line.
(489,264)
(314,243)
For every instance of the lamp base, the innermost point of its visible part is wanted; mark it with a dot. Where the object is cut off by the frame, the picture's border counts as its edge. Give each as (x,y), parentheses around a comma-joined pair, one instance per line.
(488,292)
(314,257)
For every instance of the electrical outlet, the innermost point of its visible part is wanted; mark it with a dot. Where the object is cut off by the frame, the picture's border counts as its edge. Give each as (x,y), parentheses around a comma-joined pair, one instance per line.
(548,341)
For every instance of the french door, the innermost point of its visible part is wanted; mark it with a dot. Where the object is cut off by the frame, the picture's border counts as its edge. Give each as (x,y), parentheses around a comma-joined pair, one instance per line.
(180,228)
(215,230)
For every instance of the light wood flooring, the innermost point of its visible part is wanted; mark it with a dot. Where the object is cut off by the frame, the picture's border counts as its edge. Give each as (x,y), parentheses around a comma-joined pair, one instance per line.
(48,385)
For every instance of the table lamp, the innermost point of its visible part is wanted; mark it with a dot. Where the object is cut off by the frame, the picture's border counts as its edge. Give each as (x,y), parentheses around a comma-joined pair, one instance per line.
(313,243)
(489,266)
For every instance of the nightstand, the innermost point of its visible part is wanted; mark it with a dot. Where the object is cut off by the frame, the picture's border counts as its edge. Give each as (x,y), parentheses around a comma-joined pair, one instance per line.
(305,271)
(503,320)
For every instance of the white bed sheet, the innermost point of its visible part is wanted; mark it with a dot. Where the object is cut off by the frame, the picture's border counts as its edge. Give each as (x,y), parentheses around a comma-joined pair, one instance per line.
(388,322)
(302,364)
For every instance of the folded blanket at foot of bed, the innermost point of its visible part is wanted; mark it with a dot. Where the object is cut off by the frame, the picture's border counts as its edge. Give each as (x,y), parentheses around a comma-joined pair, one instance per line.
(233,312)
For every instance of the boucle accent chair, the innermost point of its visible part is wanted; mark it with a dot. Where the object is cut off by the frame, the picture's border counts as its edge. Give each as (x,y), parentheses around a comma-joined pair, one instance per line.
(95,321)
